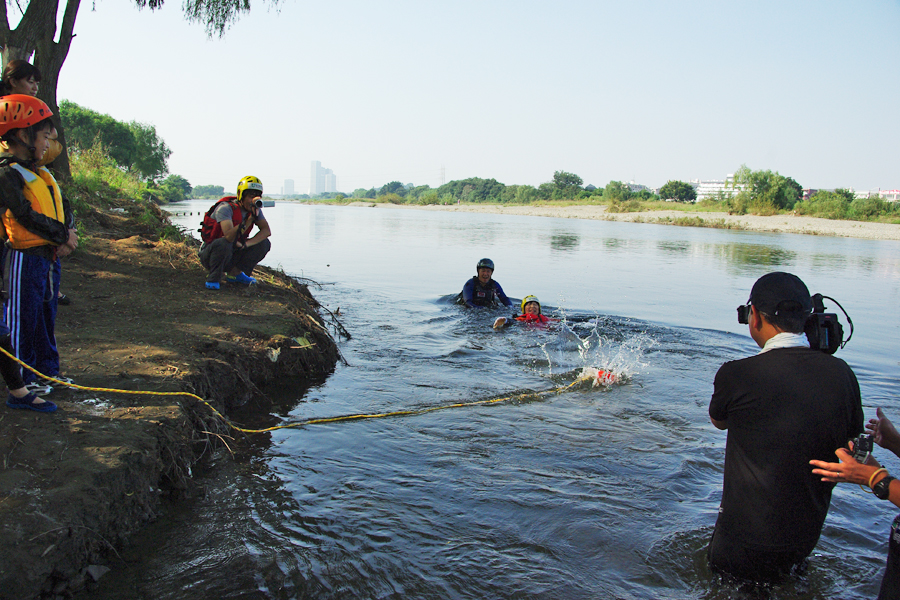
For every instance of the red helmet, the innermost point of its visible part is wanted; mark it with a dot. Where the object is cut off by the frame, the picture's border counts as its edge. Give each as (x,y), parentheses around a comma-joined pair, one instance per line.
(18,111)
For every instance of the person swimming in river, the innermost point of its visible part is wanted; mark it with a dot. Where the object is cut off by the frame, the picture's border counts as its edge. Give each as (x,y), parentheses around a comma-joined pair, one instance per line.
(531,315)
(482,291)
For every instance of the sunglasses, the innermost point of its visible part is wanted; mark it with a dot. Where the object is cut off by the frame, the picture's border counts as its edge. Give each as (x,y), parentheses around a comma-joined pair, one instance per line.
(744,313)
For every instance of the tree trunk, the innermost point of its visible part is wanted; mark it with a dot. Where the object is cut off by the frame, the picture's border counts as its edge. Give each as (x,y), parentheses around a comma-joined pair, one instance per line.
(21,42)
(49,57)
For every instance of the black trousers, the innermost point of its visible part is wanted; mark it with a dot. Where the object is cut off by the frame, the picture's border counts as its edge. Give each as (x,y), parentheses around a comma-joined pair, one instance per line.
(220,256)
(731,556)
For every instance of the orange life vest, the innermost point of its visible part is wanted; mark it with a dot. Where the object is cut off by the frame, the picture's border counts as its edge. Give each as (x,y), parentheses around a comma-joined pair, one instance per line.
(42,191)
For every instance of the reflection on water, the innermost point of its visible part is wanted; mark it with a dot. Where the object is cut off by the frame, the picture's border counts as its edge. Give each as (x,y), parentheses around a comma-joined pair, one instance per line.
(321,226)
(824,261)
(588,493)
(564,241)
(756,254)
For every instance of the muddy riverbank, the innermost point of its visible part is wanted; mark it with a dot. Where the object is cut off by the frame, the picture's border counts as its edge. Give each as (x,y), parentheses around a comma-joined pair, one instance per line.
(75,484)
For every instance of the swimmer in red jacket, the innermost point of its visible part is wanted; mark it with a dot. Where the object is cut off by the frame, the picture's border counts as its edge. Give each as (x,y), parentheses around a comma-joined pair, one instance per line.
(531,314)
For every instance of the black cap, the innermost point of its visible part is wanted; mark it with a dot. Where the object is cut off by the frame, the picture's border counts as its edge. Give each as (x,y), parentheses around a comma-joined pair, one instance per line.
(780,294)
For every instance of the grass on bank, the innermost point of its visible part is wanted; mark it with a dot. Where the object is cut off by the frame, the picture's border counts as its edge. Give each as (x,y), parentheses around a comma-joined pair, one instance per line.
(99,185)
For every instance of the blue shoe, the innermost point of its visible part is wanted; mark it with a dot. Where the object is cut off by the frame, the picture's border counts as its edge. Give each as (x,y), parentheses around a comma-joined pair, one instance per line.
(30,402)
(240,278)
(212,285)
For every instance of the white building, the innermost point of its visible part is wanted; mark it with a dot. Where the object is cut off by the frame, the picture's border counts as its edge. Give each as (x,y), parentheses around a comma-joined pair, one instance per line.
(710,188)
(288,187)
(321,180)
(886,195)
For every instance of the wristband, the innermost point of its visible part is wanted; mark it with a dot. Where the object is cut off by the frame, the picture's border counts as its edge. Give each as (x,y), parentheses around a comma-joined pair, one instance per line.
(876,473)
(882,489)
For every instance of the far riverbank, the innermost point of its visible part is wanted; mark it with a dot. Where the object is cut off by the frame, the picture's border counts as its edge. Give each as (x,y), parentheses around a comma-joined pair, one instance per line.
(722,220)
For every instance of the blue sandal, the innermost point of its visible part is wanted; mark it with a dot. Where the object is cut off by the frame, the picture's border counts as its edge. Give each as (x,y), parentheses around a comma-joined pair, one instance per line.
(30,403)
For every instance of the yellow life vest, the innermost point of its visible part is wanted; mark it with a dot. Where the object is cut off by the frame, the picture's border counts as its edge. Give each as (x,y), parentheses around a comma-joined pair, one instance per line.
(42,191)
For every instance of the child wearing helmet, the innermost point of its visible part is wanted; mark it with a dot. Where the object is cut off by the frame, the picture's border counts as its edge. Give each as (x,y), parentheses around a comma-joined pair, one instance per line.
(531,314)
(22,77)
(227,246)
(482,291)
(40,228)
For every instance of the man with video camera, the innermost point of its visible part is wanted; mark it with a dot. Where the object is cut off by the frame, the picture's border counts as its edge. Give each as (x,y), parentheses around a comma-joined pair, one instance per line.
(225,230)
(783,407)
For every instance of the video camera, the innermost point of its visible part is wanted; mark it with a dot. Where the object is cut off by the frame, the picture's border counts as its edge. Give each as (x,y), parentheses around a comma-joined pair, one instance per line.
(861,447)
(823,330)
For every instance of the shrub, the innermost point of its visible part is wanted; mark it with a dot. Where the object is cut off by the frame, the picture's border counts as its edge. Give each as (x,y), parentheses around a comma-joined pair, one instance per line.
(429,197)
(865,208)
(392,198)
(633,205)
(825,205)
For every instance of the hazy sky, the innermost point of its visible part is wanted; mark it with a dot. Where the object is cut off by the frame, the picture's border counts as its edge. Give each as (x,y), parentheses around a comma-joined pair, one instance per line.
(515,90)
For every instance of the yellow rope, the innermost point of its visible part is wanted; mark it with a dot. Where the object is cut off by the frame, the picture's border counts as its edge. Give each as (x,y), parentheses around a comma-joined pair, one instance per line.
(420,411)
(396,413)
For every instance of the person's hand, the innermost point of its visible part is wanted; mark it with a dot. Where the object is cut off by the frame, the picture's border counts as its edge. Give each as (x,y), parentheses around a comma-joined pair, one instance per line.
(500,322)
(63,250)
(883,432)
(846,471)
(72,242)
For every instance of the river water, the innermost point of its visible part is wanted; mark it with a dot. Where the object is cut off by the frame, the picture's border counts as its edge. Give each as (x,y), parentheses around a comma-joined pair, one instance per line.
(595,492)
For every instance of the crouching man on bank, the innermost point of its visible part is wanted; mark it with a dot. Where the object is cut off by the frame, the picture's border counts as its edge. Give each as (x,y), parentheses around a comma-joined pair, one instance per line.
(783,407)
(227,246)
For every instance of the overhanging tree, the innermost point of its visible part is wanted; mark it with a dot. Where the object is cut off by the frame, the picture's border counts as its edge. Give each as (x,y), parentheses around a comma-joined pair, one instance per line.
(36,35)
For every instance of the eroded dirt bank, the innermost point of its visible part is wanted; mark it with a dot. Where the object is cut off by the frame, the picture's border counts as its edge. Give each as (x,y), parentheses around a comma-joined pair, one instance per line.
(76,483)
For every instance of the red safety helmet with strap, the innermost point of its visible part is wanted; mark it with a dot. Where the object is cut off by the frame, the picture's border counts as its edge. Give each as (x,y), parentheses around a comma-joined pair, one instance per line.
(18,111)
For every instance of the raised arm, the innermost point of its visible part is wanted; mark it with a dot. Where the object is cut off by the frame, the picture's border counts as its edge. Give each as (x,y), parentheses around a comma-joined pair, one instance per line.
(884,433)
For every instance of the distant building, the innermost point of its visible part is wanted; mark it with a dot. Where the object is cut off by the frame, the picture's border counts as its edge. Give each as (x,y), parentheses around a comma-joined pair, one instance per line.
(810,192)
(636,187)
(288,187)
(886,195)
(711,188)
(321,180)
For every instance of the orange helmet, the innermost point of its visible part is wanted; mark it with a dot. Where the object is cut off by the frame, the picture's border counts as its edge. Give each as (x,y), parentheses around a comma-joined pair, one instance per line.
(18,111)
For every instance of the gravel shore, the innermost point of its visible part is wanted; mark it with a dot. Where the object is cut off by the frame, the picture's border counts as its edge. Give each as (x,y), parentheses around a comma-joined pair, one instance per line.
(776,223)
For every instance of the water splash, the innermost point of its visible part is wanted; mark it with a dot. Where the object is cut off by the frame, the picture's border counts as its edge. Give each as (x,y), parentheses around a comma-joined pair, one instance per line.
(604,350)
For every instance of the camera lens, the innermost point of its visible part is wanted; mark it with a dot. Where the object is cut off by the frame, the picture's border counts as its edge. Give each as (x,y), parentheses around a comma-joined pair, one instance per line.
(258,203)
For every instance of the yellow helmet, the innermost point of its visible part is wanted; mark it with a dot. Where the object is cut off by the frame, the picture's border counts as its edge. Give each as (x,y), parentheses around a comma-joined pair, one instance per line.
(528,299)
(249,183)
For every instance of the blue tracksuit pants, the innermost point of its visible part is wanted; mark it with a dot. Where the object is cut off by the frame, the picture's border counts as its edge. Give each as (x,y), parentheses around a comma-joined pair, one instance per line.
(31,284)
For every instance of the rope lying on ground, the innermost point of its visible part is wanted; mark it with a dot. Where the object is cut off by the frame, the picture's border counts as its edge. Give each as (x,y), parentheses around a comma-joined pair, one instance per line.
(314,421)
